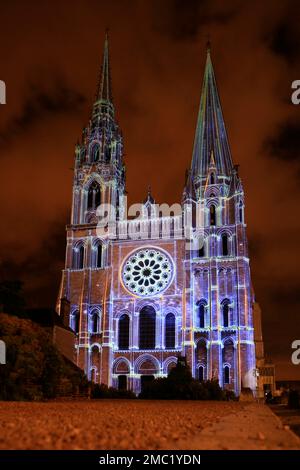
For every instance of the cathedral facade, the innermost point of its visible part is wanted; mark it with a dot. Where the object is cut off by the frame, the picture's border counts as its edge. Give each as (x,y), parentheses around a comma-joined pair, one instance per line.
(142,291)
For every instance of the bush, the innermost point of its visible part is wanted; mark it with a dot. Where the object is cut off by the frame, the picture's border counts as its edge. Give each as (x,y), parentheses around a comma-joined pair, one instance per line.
(180,385)
(103,391)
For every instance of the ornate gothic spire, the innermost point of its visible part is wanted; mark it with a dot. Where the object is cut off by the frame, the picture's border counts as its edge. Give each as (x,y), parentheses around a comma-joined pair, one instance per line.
(210,132)
(104,103)
(104,84)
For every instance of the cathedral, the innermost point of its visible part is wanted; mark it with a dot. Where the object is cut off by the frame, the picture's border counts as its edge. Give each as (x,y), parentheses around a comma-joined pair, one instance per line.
(139,292)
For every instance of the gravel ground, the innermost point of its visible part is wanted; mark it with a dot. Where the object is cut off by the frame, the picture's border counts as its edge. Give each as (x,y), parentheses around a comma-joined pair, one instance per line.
(290,418)
(137,424)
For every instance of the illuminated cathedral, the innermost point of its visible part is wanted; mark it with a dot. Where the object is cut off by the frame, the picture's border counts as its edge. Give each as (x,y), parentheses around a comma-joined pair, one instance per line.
(139,293)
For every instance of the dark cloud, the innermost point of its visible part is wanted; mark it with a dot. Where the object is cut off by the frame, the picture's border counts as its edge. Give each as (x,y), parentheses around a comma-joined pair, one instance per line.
(285,143)
(40,271)
(182,20)
(284,40)
(256,244)
(39,104)
(287,295)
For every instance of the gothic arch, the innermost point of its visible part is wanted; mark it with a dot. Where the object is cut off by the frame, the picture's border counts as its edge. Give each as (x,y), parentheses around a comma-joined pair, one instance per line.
(118,362)
(201,372)
(95,345)
(141,303)
(124,332)
(204,340)
(146,358)
(171,309)
(98,250)
(170,331)
(75,320)
(212,212)
(226,373)
(93,177)
(226,312)
(224,230)
(120,312)
(78,254)
(166,364)
(94,195)
(201,313)
(95,320)
(228,339)
(95,356)
(212,193)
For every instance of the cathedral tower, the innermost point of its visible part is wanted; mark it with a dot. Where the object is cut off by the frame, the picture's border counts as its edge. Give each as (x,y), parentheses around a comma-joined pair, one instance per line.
(221,288)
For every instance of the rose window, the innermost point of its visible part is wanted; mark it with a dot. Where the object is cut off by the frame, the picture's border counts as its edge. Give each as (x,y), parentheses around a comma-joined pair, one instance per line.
(147,272)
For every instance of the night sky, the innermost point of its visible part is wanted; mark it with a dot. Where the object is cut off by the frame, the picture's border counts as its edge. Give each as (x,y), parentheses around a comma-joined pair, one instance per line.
(50,55)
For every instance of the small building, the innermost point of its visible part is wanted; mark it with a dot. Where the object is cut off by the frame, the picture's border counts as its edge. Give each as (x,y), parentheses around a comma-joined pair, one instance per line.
(265,370)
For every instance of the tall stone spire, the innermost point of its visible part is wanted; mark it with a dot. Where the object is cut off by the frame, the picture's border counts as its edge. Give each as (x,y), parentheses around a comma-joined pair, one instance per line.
(104,102)
(210,134)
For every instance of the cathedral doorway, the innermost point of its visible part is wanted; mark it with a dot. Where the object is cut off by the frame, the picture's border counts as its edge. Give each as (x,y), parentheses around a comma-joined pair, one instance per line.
(122,382)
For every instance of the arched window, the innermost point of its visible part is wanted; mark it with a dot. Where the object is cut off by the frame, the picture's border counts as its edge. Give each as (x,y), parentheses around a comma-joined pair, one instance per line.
(94,195)
(78,256)
(95,153)
(212,178)
(147,328)
(225,314)
(212,214)
(117,204)
(201,373)
(124,332)
(95,322)
(99,256)
(75,321)
(201,314)
(225,244)
(81,257)
(170,331)
(226,375)
(241,212)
